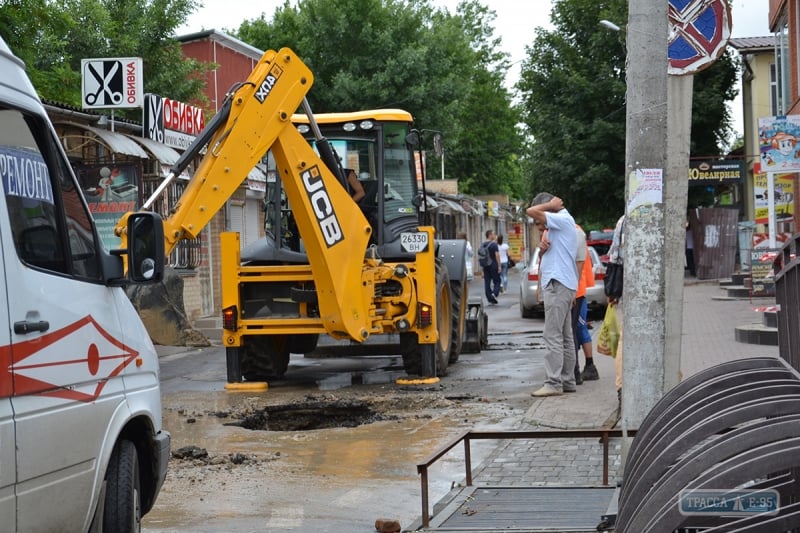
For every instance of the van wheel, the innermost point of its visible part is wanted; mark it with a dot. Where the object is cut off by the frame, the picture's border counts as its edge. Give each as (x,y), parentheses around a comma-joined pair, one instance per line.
(265,357)
(122,509)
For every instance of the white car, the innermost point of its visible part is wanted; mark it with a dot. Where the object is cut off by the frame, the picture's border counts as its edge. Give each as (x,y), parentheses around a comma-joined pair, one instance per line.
(529,307)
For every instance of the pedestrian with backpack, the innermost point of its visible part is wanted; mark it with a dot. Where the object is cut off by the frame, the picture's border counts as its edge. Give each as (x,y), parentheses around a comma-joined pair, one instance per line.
(489,259)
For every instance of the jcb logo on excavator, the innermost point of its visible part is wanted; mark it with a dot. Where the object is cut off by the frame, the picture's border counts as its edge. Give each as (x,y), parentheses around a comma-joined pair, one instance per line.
(262,92)
(323,208)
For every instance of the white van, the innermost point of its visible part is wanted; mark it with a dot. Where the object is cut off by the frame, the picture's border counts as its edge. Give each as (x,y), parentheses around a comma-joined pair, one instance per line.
(81,442)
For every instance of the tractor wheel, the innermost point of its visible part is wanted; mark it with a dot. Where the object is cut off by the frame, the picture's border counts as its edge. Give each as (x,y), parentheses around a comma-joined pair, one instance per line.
(265,357)
(413,352)
(459,296)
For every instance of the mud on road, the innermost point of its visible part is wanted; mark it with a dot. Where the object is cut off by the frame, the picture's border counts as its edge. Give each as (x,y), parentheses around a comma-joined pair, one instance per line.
(298,457)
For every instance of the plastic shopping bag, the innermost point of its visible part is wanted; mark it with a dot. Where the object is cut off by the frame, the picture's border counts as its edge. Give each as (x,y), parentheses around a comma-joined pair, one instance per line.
(608,338)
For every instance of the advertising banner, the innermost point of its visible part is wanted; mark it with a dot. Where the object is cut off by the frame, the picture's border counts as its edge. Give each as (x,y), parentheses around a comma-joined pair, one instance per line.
(777,143)
(516,243)
(762,281)
(716,172)
(170,122)
(111,190)
(782,194)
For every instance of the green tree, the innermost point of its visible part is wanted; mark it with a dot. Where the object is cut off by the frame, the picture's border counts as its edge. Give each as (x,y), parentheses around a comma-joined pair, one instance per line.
(52,37)
(446,69)
(572,89)
(712,125)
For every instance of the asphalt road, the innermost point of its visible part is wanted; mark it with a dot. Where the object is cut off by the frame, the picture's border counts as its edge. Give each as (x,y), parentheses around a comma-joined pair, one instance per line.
(257,478)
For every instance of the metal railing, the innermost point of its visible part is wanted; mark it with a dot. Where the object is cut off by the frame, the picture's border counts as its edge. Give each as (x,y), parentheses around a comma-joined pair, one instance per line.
(786,268)
(422,469)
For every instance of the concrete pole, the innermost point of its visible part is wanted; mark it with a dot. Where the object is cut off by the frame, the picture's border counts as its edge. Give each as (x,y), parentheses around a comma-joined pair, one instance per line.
(646,147)
(676,192)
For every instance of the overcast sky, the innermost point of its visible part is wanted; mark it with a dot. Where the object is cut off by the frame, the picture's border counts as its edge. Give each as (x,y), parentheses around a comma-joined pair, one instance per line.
(514,25)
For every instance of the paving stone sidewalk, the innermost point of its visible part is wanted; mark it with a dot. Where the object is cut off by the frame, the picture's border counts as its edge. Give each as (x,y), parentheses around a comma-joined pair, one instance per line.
(708,339)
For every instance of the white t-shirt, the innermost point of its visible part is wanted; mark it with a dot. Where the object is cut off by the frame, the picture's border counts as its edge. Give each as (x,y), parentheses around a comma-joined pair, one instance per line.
(503,253)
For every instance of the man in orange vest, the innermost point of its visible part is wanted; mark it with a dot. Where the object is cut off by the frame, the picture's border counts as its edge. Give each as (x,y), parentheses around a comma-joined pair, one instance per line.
(583,338)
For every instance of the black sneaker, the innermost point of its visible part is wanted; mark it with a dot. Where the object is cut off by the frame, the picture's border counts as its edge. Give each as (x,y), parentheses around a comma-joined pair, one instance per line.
(590,373)
(578,377)
(493,301)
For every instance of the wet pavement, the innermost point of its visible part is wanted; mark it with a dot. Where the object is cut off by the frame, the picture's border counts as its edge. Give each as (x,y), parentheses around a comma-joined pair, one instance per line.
(708,338)
(342,479)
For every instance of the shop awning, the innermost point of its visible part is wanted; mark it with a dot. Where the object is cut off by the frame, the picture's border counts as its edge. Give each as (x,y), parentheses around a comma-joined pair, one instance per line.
(455,206)
(162,152)
(116,142)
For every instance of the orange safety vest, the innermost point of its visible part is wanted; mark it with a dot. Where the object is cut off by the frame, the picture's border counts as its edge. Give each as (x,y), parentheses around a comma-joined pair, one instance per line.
(586,279)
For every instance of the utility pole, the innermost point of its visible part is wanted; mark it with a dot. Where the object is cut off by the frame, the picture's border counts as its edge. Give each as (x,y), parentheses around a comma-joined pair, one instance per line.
(658,128)
(646,160)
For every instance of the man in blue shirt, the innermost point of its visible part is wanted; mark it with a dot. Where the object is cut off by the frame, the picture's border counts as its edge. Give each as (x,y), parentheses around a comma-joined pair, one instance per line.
(491,272)
(558,278)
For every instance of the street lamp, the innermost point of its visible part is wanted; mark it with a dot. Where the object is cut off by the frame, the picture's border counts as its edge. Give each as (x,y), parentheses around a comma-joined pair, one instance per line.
(607,24)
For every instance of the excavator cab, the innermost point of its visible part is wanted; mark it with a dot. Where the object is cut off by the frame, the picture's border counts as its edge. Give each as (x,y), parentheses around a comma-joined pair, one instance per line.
(373,144)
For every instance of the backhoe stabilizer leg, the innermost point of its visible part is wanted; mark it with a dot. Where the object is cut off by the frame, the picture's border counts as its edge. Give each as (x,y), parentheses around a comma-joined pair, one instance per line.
(233,360)
(428,360)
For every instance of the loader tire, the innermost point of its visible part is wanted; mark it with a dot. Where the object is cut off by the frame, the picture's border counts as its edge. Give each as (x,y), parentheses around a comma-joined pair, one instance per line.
(410,347)
(459,296)
(303,343)
(265,357)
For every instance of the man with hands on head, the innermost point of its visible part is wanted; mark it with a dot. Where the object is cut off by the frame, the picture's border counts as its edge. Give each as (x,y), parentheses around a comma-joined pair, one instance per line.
(558,279)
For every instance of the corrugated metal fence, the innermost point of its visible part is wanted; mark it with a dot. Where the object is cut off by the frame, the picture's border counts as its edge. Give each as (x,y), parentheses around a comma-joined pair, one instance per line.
(715,235)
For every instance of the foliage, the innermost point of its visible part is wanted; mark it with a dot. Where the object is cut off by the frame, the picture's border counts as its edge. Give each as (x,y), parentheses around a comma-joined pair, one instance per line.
(52,37)
(446,69)
(573,88)
(711,118)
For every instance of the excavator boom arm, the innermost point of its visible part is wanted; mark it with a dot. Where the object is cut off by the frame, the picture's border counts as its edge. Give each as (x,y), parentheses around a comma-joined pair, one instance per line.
(260,108)
(256,118)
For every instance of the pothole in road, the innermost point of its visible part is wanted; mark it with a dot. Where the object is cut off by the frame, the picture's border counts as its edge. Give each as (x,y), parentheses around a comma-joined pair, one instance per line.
(312,415)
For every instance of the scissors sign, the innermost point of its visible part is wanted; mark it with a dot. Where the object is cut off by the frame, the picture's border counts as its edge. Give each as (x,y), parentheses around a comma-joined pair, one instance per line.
(105,92)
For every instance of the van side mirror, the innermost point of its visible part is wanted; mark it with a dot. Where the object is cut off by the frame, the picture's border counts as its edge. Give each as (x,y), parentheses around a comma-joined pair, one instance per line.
(145,247)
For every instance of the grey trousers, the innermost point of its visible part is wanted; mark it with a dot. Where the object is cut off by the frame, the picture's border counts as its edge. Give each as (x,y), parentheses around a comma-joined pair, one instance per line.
(559,341)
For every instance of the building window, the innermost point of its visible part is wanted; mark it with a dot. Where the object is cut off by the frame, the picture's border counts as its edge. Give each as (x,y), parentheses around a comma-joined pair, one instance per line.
(785,44)
(773,90)
(782,58)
